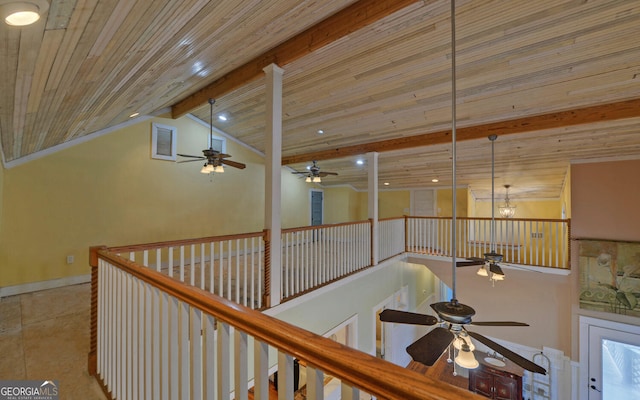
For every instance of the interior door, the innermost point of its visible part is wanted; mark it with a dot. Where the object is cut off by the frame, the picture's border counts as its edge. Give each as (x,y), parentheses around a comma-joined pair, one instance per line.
(614,364)
(316,207)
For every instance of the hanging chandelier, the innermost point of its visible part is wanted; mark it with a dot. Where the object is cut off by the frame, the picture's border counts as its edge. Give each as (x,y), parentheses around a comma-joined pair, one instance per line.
(507,210)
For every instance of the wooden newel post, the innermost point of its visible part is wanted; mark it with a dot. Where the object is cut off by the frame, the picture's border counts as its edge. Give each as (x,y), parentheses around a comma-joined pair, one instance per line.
(92,364)
(266,299)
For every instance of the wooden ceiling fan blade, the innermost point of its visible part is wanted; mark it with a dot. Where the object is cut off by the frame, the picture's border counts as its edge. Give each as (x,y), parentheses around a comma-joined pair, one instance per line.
(468,263)
(405,317)
(323,174)
(234,164)
(498,323)
(495,268)
(190,156)
(196,159)
(223,155)
(516,358)
(429,348)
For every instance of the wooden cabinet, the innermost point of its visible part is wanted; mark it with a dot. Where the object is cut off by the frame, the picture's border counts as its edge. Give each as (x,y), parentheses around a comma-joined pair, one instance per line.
(503,383)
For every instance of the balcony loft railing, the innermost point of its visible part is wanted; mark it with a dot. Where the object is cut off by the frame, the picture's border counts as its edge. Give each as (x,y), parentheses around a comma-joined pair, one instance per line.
(174,319)
(535,242)
(153,337)
(237,268)
(316,255)
(231,266)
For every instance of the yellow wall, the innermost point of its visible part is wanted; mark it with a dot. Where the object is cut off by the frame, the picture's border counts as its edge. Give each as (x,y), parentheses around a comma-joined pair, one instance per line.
(394,203)
(108,191)
(1,193)
(342,204)
(444,202)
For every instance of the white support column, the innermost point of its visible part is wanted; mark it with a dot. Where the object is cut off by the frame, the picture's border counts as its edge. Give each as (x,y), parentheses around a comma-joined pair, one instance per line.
(273,179)
(372,163)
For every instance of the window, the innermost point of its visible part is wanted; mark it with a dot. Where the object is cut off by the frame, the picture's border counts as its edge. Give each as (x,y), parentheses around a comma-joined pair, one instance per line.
(163,142)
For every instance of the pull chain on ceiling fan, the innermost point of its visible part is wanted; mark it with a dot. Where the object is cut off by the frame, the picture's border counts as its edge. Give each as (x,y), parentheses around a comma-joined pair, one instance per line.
(453,316)
(213,159)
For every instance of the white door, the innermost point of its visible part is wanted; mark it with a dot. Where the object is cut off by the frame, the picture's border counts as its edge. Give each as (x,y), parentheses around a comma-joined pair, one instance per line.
(614,362)
(423,203)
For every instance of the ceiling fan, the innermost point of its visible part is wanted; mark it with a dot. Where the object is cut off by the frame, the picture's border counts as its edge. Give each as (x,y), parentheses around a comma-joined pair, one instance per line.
(453,316)
(314,174)
(489,264)
(214,159)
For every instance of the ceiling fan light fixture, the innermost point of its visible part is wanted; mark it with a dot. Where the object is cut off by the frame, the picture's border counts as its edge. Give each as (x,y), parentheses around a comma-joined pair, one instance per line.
(22,13)
(462,340)
(308,180)
(497,277)
(507,210)
(204,169)
(219,169)
(482,271)
(465,358)
(316,179)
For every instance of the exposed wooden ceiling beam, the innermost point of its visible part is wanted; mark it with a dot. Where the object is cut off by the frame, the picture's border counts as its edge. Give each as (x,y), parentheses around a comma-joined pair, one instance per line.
(592,114)
(350,19)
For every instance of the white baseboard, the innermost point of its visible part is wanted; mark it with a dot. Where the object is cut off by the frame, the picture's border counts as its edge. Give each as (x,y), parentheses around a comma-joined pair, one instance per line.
(43,285)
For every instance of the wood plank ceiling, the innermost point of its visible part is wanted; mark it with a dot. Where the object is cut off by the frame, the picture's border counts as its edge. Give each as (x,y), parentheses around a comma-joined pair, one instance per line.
(566,72)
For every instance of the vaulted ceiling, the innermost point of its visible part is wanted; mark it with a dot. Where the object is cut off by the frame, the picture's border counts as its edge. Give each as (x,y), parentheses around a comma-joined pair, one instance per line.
(557,81)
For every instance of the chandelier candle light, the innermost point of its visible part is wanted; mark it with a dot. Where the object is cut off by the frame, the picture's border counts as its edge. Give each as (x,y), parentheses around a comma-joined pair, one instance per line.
(507,210)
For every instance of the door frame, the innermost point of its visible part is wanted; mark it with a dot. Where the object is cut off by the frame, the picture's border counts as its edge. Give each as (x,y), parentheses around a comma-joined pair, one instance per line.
(385,304)
(585,324)
(311,205)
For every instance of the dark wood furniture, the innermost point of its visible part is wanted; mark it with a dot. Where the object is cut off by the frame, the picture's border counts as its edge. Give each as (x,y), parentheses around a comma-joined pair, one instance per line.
(503,383)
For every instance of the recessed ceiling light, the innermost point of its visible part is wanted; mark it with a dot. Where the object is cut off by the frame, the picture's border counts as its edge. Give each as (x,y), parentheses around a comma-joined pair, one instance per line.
(360,162)
(22,13)
(386,183)
(435,180)
(222,117)
(320,132)
(135,114)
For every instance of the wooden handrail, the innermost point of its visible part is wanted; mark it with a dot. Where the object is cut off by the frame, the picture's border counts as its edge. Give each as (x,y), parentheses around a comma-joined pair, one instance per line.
(309,228)
(375,376)
(183,242)
(390,219)
(497,219)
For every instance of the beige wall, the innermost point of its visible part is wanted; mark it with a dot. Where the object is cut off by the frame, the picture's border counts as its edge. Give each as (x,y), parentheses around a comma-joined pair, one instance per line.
(541,300)
(108,191)
(605,198)
(565,196)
